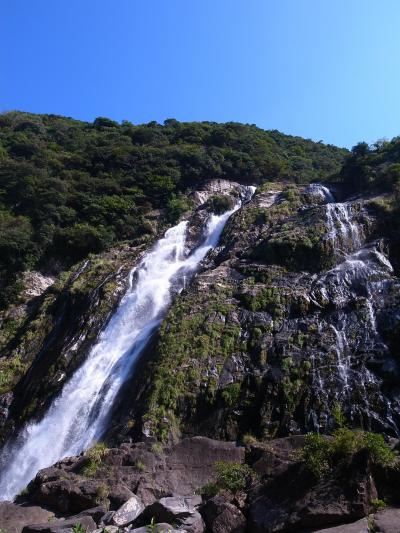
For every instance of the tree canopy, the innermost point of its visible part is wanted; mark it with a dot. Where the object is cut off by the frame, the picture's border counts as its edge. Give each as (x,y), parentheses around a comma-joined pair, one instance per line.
(68,188)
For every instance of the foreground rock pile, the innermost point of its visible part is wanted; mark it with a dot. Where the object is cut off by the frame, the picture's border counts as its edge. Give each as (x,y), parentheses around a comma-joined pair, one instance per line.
(142,487)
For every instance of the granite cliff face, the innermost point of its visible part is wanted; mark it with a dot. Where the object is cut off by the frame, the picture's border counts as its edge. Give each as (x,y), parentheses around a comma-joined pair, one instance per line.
(289,322)
(294,313)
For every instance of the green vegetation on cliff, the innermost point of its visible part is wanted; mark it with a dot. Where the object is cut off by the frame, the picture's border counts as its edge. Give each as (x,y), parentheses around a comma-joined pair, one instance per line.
(377,168)
(322,454)
(68,188)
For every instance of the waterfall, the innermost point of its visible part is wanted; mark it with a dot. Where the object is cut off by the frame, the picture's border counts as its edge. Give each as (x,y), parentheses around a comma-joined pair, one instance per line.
(343,356)
(349,295)
(343,232)
(322,192)
(79,416)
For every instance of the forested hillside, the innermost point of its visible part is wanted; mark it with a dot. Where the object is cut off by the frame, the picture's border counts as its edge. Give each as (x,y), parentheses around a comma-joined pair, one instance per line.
(68,188)
(197,308)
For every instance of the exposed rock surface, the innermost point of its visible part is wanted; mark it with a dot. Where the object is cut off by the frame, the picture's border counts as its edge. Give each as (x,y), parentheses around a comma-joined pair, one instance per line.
(297,304)
(294,310)
(128,512)
(56,333)
(388,520)
(137,468)
(221,516)
(293,499)
(14,517)
(214,187)
(62,526)
(36,283)
(361,526)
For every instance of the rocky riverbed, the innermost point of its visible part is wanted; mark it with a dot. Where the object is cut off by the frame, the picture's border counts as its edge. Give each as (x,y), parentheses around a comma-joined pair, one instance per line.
(138,484)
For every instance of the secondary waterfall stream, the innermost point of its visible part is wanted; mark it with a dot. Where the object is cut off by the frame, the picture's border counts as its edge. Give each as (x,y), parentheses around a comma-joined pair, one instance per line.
(79,416)
(352,291)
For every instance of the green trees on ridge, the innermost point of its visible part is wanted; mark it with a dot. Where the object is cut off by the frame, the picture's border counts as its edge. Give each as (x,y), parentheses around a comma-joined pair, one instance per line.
(68,188)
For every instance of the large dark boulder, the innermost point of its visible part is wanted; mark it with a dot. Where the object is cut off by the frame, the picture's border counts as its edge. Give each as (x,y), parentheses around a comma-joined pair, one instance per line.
(62,526)
(221,516)
(388,520)
(296,500)
(66,494)
(361,526)
(175,510)
(14,517)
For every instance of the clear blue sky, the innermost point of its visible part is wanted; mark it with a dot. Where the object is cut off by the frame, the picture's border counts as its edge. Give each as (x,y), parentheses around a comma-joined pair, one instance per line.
(323,69)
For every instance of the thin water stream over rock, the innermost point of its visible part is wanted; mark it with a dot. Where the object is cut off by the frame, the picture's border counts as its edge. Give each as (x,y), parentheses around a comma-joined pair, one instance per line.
(351,294)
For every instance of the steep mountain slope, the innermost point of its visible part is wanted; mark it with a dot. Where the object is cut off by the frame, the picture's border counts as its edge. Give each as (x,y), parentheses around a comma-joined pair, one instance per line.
(290,325)
(293,315)
(69,188)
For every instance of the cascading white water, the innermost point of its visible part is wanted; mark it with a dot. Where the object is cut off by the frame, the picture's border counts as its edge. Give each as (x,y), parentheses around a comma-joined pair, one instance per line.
(320,191)
(360,279)
(80,415)
(343,356)
(343,231)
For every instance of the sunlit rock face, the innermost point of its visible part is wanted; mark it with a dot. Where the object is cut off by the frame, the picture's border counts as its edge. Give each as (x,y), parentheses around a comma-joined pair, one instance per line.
(285,308)
(81,413)
(293,314)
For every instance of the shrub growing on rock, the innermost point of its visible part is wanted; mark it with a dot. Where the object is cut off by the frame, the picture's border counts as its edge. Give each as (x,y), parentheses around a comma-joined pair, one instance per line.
(219,204)
(321,454)
(229,476)
(93,458)
(316,454)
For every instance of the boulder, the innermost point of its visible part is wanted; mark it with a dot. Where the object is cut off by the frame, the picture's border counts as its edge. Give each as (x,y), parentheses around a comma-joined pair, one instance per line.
(110,529)
(176,510)
(67,494)
(297,500)
(128,513)
(221,516)
(107,518)
(181,469)
(118,496)
(62,526)
(96,513)
(35,284)
(14,517)
(361,526)
(157,528)
(193,523)
(388,520)
(273,460)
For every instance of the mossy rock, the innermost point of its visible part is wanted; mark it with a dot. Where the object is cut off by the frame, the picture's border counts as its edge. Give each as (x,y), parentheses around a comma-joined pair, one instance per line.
(298,244)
